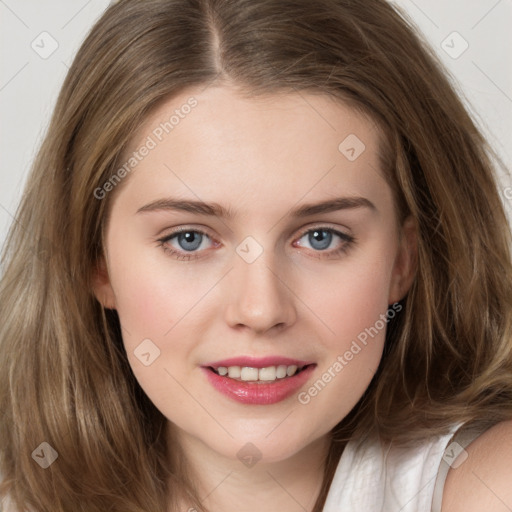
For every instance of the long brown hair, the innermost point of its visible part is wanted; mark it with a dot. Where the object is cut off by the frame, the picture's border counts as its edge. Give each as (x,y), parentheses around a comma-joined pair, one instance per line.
(64,376)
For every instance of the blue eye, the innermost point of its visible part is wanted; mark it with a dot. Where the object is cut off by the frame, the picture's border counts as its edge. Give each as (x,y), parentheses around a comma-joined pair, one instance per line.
(189,242)
(322,237)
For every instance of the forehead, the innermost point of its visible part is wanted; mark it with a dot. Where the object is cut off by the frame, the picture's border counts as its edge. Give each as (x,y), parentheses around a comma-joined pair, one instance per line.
(215,143)
(223,115)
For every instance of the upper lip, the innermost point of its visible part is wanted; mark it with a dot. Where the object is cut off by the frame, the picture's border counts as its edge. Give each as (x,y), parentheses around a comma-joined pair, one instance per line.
(258,362)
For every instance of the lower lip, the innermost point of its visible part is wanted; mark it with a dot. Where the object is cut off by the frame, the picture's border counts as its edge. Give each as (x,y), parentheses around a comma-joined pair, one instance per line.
(259,394)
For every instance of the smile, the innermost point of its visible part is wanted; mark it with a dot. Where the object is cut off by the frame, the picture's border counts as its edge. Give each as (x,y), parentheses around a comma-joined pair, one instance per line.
(257,381)
(249,374)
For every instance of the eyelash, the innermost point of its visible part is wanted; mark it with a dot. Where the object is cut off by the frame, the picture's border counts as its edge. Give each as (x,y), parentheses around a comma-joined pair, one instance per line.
(348,241)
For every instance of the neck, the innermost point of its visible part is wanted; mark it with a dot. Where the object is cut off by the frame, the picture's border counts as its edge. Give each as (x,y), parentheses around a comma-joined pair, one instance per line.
(225,484)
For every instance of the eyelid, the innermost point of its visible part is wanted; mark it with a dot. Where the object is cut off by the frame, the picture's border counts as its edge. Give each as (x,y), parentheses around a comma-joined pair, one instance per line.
(185,227)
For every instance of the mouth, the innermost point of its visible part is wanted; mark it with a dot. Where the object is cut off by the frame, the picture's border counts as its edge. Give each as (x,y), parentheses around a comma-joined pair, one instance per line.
(265,375)
(262,381)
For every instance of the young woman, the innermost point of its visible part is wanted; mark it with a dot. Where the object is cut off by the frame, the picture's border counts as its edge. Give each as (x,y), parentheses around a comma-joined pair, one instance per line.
(261,263)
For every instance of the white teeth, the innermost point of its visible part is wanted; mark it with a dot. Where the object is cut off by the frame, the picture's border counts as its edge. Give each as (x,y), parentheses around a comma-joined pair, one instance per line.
(291,370)
(281,371)
(234,372)
(249,373)
(267,374)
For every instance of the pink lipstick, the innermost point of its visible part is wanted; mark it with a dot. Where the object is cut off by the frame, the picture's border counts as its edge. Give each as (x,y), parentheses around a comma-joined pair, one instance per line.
(258,381)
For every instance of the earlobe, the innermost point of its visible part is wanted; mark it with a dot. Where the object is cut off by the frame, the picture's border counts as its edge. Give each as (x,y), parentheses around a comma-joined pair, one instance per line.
(404,269)
(101,285)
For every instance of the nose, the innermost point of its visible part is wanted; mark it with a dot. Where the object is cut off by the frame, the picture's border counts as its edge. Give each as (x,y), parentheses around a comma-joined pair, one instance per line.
(260,298)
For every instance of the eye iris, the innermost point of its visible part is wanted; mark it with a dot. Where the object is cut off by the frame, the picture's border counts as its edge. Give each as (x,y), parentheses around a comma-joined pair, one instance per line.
(187,238)
(317,236)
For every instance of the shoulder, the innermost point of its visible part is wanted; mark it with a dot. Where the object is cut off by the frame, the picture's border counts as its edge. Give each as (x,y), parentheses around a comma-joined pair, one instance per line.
(483,480)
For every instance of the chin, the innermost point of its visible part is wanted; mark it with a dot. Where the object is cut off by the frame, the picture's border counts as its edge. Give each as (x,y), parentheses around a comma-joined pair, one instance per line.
(265,446)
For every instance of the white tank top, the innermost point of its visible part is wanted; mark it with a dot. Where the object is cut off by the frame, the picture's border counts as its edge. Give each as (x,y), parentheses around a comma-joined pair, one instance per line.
(386,478)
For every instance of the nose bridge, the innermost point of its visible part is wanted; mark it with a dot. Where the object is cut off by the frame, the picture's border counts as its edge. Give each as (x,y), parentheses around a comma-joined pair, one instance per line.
(260,298)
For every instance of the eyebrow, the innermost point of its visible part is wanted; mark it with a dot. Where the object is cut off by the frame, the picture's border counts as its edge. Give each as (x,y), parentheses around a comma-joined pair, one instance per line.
(215,209)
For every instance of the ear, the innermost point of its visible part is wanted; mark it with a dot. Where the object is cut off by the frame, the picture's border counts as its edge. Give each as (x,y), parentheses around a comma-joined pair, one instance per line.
(101,285)
(404,268)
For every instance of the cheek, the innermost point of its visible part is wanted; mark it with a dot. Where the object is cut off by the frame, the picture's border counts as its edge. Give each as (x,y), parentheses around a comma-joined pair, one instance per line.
(354,295)
(153,295)
(143,303)
(155,308)
(351,354)
(164,302)
(353,304)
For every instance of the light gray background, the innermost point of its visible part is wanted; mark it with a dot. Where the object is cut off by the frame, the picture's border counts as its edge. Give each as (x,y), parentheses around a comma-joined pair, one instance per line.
(30,79)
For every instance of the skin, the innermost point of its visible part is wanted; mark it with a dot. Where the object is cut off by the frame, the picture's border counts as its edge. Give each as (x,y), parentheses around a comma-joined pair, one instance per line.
(482,480)
(260,158)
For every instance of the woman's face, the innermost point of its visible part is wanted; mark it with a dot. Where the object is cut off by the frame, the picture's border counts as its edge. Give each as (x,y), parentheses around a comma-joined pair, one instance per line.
(297,272)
